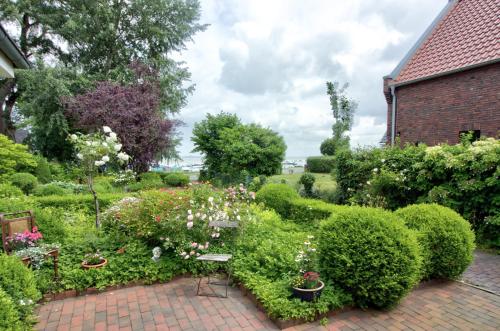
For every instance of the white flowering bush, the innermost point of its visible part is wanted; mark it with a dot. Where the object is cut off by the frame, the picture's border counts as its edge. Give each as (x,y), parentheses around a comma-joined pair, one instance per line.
(95,151)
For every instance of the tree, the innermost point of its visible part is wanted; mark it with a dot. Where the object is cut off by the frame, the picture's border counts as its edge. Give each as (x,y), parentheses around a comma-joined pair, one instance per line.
(133,110)
(231,148)
(343,110)
(101,38)
(40,103)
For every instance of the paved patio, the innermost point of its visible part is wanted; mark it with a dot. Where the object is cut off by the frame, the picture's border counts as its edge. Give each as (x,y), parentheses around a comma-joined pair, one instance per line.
(175,306)
(484,272)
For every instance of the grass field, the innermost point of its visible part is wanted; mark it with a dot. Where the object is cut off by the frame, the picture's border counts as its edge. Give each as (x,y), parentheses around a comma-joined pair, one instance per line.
(323,181)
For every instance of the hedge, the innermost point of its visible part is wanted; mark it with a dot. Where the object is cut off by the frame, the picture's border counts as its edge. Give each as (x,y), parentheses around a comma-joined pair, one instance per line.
(321,164)
(9,316)
(80,201)
(370,254)
(446,239)
(276,196)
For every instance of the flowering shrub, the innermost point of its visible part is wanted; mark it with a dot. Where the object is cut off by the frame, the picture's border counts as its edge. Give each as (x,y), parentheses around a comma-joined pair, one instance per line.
(178,220)
(463,177)
(24,240)
(94,151)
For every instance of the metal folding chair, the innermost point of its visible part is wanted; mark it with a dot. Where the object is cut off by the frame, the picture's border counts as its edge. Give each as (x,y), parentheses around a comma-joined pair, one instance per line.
(217,258)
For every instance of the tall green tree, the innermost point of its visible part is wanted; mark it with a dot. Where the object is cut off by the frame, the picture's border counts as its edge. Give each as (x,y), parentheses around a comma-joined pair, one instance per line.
(100,38)
(231,148)
(343,109)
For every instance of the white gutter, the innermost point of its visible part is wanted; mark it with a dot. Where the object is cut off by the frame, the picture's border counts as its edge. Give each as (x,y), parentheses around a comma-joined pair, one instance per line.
(393,115)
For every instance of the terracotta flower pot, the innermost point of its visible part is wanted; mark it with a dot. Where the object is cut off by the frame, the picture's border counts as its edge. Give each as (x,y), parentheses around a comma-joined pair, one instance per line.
(94,266)
(306,294)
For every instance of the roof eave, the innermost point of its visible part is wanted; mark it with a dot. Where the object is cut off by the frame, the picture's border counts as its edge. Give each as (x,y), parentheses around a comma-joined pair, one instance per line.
(422,39)
(444,73)
(10,49)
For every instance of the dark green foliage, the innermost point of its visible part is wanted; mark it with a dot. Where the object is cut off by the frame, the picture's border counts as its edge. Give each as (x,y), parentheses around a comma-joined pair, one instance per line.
(175,179)
(446,240)
(233,151)
(9,316)
(8,191)
(320,164)
(25,181)
(42,171)
(257,183)
(331,146)
(19,283)
(489,232)
(50,189)
(370,254)
(276,196)
(307,179)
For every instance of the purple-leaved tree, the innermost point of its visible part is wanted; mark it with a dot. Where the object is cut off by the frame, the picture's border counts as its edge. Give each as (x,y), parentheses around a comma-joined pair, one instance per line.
(134,112)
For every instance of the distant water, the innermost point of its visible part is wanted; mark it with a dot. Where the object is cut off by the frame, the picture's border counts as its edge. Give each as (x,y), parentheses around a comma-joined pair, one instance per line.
(195,163)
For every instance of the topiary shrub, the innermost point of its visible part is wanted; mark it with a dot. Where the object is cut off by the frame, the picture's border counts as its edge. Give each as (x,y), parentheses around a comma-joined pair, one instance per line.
(277,197)
(19,283)
(9,191)
(9,317)
(306,211)
(446,239)
(176,179)
(307,179)
(25,181)
(369,253)
(42,170)
(50,189)
(320,164)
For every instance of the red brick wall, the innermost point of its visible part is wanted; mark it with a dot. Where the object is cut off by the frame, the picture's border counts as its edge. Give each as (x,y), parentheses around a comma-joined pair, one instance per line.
(436,110)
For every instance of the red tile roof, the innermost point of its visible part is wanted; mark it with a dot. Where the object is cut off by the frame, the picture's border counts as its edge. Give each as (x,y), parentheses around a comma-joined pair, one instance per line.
(469,34)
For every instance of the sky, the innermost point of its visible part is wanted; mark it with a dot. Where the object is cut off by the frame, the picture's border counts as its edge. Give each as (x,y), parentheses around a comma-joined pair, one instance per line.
(268,61)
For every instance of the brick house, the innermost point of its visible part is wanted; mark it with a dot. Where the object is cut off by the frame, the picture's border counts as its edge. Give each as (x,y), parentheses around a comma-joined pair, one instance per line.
(449,82)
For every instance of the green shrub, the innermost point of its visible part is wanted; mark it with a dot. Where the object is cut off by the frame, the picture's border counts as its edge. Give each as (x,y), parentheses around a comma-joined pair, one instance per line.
(369,253)
(307,179)
(13,204)
(321,164)
(446,240)
(25,181)
(51,223)
(175,179)
(306,211)
(276,196)
(265,259)
(50,189)
(150,177)
(8,191)
(42,171)
(144,186)
(14,158)
(19,283)
(9,317)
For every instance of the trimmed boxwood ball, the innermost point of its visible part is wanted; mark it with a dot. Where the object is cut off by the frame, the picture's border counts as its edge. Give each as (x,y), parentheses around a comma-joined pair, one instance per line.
(9,317)
(371,254)
(446,239)
(277,197)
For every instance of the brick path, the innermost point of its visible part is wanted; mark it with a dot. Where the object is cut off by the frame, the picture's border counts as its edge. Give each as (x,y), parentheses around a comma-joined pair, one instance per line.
(175,306)
(484,271)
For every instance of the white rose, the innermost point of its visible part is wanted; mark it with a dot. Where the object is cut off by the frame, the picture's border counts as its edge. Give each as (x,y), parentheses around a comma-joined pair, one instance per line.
(123,156)
(73,137)
(99,163)
(112,135)
(118,147)
(106,129)
(105,158)
(79,156)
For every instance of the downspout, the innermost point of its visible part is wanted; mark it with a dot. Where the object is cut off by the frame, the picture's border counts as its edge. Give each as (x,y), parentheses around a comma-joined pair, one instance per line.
(393,115)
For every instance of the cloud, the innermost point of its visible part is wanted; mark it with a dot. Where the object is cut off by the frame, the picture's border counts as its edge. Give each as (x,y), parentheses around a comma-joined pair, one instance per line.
(268,62)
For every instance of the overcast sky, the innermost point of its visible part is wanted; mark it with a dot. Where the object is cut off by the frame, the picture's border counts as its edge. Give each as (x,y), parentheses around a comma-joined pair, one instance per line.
(268,62)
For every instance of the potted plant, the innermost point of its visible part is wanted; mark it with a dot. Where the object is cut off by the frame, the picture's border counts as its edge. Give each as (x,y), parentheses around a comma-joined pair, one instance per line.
(94,261)
(306,285)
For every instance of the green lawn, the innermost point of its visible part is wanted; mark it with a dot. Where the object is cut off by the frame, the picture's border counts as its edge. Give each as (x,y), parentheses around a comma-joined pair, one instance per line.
(323,181)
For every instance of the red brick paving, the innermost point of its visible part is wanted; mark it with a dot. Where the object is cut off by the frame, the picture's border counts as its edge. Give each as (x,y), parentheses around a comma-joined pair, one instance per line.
(484,271)
(175,306)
